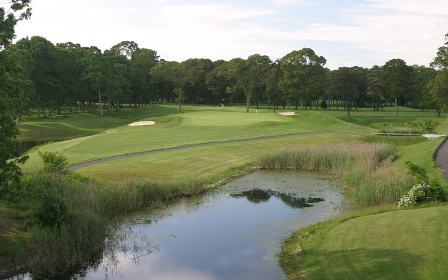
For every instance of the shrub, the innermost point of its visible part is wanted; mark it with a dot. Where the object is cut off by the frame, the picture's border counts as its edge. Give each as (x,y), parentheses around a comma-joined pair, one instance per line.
(422,193)
(50,211)
(53,162)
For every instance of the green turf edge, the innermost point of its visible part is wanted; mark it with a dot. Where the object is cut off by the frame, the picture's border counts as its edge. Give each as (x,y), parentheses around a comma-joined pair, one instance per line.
(300,257)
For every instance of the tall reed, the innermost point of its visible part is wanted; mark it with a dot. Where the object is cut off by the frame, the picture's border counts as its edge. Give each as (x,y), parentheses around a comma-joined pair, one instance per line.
(367,175)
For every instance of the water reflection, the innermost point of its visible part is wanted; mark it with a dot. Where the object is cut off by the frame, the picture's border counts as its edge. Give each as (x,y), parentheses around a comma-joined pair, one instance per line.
(291,199)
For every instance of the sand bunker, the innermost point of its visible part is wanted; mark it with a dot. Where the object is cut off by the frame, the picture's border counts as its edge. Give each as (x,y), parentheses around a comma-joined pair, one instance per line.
(142,123)
(287,114)
(433,136)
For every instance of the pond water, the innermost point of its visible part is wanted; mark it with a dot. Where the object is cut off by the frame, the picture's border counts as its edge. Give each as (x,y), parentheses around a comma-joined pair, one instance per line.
(234,232)
(225,234)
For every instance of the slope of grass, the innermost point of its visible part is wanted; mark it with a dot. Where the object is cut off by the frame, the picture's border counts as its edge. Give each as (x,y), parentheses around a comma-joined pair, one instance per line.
(196,125)
(421,154)
(61,127)
(407,244)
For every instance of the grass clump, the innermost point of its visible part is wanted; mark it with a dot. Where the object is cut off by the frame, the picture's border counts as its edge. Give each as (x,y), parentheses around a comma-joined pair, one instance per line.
(367,175)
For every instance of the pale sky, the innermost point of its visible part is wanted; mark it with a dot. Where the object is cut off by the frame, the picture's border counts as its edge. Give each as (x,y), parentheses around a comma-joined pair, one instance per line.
(346,32)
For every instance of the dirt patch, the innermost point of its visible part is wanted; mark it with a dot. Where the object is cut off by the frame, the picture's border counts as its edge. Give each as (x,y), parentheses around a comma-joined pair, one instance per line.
(142,123)
(287,114)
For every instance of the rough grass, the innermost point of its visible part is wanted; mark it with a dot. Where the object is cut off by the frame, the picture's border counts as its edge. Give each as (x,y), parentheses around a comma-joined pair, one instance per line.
(393,140)
(13,239)
(367,176)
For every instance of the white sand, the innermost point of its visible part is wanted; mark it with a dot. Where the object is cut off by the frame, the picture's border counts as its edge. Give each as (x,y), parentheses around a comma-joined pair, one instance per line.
(142,123)
(433,136)
(287,114)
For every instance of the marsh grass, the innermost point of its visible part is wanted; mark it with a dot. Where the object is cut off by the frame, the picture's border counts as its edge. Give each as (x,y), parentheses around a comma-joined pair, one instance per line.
(365,171)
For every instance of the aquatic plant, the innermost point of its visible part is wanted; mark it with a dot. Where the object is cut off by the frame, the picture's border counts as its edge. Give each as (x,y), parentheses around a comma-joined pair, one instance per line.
(367,175)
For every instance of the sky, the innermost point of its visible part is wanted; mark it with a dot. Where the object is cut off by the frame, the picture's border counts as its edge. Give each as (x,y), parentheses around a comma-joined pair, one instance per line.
(345,32)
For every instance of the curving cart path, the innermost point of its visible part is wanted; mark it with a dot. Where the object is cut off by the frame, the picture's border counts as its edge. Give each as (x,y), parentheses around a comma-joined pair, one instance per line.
(441,157)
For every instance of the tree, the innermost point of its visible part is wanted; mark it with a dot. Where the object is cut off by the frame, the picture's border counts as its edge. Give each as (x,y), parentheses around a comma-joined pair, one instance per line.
(117,76)
(375,88)
(197,70)
(224,79)
(397,81)
(303,76)
(272,82)
(44,72)
(142,61)
(344,84)
(94,73)
(441,60)
(175,75)
(422,75)
(252,74)
(10,89)
(438,90)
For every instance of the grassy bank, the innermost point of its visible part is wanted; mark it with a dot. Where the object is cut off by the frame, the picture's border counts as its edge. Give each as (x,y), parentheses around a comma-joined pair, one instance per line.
(406,244)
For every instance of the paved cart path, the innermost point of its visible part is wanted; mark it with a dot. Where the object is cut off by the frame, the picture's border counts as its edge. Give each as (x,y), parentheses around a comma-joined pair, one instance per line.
(442,158)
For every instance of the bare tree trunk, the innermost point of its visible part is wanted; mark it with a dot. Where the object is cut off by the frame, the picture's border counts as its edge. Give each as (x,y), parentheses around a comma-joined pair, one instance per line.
(396,106)
(101,102)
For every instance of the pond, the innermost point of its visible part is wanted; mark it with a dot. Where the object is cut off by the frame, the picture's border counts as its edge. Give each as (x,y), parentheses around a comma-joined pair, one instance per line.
(234,232)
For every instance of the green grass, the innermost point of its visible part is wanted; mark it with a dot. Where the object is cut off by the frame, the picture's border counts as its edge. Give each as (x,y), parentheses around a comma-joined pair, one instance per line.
(196,125)
(421,154)
(407,244)
(61,127)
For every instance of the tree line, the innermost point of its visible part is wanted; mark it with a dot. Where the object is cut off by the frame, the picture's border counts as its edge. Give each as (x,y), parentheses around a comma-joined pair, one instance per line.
(60,77)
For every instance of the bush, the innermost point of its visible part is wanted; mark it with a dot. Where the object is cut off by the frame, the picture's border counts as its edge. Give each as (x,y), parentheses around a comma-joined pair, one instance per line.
(422,193)
(50,211)
(53,162)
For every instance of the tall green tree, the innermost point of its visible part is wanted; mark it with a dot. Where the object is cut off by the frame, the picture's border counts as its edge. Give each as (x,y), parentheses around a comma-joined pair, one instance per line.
(344,83)
(303,76)
(175,75)
(438,90)
(142,61)
(375,88)
(397,81)
(10,89)
(252,75)
(441,60)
